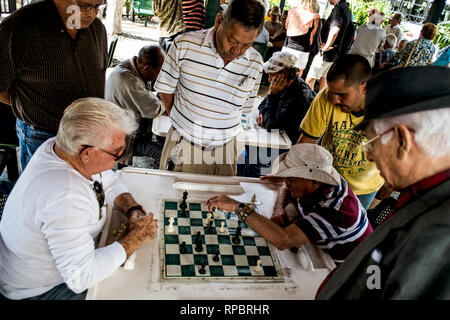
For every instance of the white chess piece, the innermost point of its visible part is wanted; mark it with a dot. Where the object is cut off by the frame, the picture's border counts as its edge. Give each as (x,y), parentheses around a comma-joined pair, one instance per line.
(258,267)
(216,213)
(170,228)
(222,227)
(252,204)
(208,218)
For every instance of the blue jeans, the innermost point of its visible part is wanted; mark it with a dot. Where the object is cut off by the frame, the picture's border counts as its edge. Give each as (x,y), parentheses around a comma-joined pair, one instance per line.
(366,199)
(30,139)
(257,161)
(60,292)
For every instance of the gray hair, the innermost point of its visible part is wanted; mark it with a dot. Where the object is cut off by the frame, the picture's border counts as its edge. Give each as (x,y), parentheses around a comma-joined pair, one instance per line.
(391,40)
(431,130)
(91,121)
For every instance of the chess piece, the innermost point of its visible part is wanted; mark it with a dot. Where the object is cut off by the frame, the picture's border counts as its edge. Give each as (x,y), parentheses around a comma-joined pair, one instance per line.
(170,228)
(208,218)
(198,243)
(258,267)
(252,202)
(202,270)
(210,229)
(222,227)
(236,239)
(183,248)
(216,213)
(183,204)
(216,257)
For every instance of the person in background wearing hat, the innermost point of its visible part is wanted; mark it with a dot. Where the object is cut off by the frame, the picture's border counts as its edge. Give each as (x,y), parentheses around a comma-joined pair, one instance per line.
(329,214)
(287,102)
(274,24)
(408,137)
(333,114)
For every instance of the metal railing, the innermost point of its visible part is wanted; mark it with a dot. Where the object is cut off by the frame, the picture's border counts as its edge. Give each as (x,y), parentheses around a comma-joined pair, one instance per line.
(415,10)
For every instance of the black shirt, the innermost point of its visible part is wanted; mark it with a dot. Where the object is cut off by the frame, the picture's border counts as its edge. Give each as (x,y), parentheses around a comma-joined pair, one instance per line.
(340,17)
(44,69)
(286,110)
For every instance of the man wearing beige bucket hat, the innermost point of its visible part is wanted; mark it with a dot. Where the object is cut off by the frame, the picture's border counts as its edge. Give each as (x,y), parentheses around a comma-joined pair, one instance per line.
(329,214)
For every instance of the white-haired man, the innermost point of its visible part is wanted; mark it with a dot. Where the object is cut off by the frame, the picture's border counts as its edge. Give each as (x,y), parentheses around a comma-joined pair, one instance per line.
(55,213)
(329,214)
(406,257)
(387,52)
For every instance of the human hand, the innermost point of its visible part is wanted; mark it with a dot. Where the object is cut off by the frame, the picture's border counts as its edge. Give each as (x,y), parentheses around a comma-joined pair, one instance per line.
(260,120)
(222,202)
(144,226)
(278,84)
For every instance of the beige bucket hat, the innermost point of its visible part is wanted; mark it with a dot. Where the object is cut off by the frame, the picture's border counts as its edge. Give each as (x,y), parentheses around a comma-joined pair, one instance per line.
(308,161)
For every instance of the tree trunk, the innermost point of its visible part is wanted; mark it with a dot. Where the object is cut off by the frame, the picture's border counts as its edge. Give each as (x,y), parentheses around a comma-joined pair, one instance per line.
(113,21)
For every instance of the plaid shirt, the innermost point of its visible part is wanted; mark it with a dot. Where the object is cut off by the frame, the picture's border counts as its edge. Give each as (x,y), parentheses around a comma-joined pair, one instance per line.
(419,188)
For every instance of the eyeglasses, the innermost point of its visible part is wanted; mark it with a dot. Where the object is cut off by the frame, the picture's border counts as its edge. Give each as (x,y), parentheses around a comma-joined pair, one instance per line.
(87,8)
(366,146)
(100,194)
(115,156)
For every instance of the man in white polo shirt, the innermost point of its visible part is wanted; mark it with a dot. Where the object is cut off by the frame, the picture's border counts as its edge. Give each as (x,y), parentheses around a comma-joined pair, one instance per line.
(209,78)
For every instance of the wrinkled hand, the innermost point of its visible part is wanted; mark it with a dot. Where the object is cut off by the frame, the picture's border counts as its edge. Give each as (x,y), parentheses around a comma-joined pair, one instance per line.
(145,226)
(282,201)
(222,202)
(260,120)
(278,84)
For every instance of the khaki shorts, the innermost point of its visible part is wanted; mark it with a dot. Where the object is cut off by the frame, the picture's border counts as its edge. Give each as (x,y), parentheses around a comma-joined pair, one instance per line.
(319,68)
(191,158)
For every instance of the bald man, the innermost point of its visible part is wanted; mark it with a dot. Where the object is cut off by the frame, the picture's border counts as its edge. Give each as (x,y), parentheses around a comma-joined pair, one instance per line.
(129,86)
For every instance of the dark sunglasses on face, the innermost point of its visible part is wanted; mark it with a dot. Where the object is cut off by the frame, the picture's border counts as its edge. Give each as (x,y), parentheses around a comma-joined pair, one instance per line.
(115,156)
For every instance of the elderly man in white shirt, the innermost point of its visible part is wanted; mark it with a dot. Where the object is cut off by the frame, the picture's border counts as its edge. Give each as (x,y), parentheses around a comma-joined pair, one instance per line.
(55,212)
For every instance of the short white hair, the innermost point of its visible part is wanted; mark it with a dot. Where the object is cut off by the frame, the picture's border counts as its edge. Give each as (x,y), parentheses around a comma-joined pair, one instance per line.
(431,130)
(391,40)
(91,121)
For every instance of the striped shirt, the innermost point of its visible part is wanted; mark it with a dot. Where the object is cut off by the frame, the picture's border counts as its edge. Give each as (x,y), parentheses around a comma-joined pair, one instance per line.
(333,219)
(194,13)
(209,97)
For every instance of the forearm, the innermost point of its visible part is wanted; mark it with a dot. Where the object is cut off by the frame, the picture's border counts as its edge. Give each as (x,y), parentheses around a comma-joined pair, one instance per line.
(167,100)
(304,139)
(125,201)
(131,242)
(281,238)
(331,37)
(4,97)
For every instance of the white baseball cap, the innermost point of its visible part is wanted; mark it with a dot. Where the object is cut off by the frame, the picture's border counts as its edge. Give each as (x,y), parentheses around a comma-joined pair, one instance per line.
(279,61)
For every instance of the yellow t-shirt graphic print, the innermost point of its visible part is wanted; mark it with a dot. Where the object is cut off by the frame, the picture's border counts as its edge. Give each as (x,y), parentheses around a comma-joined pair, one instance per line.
(326,119)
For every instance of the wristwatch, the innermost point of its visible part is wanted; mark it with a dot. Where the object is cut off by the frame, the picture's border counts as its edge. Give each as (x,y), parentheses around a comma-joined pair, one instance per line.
(130,210)
(243,211)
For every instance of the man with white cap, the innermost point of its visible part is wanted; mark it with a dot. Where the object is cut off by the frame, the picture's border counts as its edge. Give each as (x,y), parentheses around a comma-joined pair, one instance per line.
(329,214)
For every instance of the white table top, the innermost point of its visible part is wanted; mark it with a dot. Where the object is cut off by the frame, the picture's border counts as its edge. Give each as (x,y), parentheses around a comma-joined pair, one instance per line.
(303,271)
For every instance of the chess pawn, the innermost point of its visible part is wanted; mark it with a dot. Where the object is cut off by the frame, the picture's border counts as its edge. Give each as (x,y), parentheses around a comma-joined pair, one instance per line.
(170,228)
(258,267)
(222,227)
(216,213)
(208,219)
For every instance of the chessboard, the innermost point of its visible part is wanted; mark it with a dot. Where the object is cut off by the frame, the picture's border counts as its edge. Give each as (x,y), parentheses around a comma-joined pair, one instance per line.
(197,245)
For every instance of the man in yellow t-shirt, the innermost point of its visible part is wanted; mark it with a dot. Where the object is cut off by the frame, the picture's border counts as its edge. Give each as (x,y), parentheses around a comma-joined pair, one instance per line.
(333,114)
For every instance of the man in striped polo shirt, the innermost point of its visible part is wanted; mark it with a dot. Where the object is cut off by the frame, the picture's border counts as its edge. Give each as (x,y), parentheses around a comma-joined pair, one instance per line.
(209,78)
(329,215)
